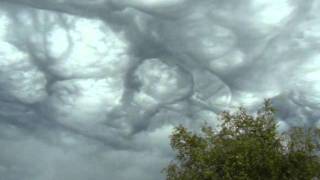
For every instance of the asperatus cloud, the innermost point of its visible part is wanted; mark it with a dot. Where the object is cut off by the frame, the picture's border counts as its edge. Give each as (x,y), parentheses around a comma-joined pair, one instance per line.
(91,89)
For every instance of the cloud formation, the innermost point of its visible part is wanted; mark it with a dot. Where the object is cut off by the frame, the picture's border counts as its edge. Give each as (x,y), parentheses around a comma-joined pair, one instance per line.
(92,89)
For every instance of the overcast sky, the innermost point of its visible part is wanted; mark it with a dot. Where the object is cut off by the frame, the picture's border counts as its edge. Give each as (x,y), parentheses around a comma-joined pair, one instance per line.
(91,89)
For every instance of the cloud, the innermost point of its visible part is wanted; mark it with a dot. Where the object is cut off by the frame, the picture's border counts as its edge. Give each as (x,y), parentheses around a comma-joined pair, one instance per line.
(92,89)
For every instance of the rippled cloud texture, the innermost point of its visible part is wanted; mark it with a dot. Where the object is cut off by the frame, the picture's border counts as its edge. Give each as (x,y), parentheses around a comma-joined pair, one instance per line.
(92,89)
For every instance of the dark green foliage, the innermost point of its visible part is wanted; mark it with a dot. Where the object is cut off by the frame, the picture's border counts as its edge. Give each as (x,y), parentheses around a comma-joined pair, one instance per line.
(247,147)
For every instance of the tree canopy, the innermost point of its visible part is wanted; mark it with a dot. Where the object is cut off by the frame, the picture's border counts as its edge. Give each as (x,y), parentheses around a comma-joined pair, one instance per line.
(246,147)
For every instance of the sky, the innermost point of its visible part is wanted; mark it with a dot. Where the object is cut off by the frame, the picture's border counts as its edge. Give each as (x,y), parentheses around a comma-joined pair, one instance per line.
(91,90)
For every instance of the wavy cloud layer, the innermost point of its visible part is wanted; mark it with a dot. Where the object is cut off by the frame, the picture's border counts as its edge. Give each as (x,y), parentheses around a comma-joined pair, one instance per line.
(92,89)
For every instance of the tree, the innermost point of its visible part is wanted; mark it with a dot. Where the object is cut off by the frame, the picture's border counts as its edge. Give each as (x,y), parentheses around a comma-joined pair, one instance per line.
(247,147)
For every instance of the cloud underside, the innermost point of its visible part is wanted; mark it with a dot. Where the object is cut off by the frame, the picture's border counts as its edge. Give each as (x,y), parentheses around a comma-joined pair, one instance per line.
(93,89)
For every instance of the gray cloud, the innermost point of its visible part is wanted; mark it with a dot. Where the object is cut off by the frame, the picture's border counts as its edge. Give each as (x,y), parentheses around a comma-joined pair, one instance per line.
(93,89)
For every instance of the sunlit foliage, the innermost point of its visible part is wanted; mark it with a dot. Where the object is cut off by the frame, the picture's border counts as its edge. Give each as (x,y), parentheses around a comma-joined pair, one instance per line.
(247,147)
